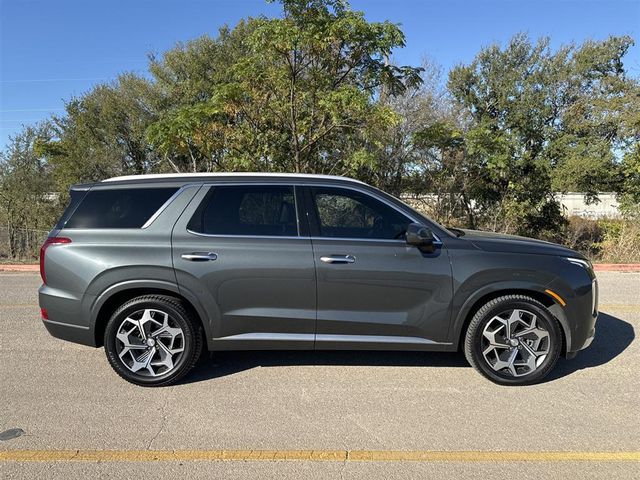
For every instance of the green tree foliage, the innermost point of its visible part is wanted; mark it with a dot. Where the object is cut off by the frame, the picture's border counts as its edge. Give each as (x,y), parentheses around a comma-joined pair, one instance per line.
(396,161)
(533,121)
(630,184)
(26,186)
(298,93)
(104,133)
(193,131)
(317,91)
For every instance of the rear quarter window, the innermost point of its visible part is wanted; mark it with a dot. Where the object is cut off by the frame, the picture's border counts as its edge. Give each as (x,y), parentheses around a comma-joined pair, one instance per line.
(118,208)
(75,197)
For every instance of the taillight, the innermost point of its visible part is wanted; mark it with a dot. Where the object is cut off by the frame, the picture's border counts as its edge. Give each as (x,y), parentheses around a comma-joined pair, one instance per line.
(47,243)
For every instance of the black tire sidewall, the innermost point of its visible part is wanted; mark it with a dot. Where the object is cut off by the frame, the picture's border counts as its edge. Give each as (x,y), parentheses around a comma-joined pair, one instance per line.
(177,314)
(547,321)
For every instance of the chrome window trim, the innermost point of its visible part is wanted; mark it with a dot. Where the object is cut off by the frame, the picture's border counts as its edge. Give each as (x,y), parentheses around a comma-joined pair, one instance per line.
(295,203)
(164,206)
(356,239)
(221,235)
(438,242)
(301,237)
(146,224)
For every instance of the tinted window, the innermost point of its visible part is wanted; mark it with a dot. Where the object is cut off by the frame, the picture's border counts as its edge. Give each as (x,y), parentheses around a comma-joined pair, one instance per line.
(350,214)
(119,208)
(247,210)
(75,197)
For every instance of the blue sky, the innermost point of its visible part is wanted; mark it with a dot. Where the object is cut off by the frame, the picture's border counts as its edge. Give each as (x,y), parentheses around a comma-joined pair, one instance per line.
(51,50)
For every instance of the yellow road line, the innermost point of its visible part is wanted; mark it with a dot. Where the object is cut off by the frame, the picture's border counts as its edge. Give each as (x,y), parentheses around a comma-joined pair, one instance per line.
(313,456)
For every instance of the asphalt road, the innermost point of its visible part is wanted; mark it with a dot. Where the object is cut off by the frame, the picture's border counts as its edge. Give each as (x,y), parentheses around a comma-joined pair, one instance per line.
(337,404)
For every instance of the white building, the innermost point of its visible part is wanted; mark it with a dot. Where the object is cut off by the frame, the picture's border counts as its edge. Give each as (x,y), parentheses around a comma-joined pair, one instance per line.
(573,205)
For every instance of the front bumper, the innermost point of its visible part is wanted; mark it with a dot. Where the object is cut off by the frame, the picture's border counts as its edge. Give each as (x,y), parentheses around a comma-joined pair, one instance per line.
(583,324)
(579,289)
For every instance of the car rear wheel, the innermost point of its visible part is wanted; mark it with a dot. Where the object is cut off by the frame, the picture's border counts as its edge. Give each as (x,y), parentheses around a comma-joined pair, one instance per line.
(513,340)
(152,340)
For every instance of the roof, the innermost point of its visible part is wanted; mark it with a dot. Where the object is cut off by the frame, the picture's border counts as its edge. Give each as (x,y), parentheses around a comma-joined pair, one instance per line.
(220,175)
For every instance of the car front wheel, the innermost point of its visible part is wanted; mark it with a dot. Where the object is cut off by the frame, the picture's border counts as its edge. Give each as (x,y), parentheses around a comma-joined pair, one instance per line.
(513,340)
(152,340)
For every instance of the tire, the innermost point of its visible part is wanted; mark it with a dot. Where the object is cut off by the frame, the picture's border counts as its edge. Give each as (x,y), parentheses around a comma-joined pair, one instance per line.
(522,357)
(170,336)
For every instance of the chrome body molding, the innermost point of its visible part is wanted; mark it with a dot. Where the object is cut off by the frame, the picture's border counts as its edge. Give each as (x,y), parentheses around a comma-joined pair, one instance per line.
(376,339)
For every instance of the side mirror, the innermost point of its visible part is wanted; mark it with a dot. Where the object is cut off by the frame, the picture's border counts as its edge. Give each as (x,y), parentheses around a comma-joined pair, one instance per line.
(420,236)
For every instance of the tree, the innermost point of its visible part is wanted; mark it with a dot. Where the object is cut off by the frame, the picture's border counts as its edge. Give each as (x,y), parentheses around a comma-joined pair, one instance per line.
(103,133)
(191,130)
(629,192)
(396,161)
(535,120)
(27,201)
(302,97)
(317,91)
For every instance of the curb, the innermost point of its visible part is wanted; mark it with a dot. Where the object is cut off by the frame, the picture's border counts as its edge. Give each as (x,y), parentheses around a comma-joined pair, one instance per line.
(19,268)
(617,267)
(598,267)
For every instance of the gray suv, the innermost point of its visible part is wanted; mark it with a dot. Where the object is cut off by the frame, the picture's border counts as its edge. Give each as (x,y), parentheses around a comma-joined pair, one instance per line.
(157,267)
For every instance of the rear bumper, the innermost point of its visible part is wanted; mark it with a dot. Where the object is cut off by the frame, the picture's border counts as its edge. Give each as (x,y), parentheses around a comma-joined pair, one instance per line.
(70,333)
(65,316)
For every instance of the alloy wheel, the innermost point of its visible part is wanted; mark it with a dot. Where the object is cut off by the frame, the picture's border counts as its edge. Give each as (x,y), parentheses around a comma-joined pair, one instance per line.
(513,343)
(149,342)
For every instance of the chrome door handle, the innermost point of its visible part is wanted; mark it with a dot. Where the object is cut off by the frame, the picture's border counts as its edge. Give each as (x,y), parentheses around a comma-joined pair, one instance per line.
(338,259)
(199,256)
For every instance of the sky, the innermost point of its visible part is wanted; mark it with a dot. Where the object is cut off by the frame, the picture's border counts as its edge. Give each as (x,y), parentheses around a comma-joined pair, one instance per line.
(53,50)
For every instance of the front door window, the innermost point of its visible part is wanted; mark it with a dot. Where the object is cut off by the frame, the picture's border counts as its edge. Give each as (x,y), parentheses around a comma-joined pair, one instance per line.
(344,213)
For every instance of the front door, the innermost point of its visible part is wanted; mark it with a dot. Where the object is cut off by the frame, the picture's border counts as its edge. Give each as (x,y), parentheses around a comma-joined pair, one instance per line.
(238,250)
(374,291)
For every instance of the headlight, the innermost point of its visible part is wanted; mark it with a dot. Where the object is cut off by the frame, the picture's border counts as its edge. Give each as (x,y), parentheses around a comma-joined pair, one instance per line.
(578,261)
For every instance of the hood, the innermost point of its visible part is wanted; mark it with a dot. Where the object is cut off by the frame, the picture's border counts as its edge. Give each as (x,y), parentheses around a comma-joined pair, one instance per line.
(500,242)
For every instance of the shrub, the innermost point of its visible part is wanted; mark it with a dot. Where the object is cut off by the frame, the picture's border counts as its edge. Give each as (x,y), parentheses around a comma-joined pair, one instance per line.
(583,235)
(605,240)
(620,242)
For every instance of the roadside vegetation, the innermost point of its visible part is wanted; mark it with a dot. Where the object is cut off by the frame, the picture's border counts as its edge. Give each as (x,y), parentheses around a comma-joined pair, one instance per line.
(317,91)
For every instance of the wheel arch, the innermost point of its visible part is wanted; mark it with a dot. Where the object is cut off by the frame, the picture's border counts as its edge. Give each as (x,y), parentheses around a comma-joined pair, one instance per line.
(473,304)
(107,303)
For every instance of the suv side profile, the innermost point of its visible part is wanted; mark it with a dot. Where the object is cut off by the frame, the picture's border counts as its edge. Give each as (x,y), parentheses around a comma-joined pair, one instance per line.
(158,267)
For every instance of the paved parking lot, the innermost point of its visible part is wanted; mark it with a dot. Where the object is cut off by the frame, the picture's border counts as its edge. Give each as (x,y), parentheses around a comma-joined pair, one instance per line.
(328,409)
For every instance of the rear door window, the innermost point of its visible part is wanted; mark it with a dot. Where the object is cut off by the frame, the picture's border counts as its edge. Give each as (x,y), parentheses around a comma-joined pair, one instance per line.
(118,208)
(260,210)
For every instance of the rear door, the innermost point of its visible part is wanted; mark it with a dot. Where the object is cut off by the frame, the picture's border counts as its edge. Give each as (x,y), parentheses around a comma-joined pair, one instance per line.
(240,250)
(374,291)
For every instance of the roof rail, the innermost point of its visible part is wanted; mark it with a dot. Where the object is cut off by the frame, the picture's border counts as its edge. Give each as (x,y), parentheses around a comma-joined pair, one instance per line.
(170,176)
